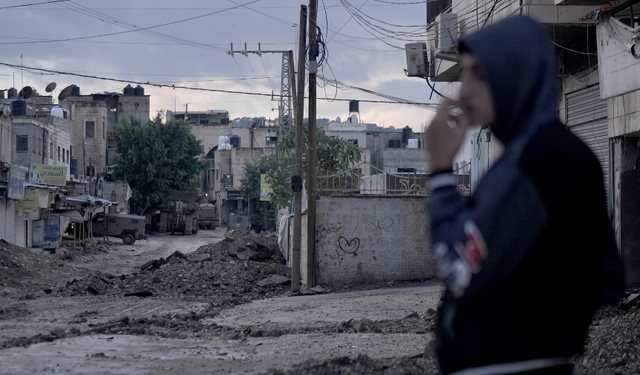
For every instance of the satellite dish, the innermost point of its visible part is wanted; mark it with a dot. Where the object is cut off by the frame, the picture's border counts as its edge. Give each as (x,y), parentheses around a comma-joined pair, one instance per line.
(65,93)
(50,87)
(26,92)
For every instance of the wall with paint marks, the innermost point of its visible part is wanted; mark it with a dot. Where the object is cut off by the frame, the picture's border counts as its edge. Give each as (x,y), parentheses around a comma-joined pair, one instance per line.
(372,239)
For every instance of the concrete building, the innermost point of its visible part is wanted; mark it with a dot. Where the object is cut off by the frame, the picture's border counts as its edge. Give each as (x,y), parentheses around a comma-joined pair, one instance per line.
(394,159)
(31,142)
(93,116)
(600,87)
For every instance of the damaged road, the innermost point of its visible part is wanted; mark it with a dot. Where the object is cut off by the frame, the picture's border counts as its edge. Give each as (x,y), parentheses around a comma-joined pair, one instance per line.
(220,302)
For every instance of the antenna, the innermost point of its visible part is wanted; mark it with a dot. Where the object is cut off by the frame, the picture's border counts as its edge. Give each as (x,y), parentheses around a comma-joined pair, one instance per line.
(25,93)
(50,87)
(65,93)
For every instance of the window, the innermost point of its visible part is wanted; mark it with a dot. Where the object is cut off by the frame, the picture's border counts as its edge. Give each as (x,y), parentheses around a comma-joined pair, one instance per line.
(51,150)
(59,155)
(353,141)
(89,129)
(39,146)
(63,155)
(68,160)
(406,170)
(22,143)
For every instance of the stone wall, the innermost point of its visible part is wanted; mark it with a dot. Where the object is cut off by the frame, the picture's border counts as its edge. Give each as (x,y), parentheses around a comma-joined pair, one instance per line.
(371,239)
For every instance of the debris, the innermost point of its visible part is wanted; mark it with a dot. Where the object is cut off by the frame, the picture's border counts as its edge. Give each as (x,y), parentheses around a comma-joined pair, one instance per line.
(274,280)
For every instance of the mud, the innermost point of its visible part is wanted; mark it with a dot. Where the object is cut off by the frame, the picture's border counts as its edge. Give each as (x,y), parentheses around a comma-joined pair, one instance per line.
(220,302)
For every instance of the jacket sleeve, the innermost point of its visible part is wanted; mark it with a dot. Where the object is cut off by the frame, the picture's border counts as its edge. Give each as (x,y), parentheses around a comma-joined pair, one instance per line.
(478,243)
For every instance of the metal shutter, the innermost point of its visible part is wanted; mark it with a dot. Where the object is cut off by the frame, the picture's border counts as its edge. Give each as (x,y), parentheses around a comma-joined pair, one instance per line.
(21,233)
(587,118)
(8,219)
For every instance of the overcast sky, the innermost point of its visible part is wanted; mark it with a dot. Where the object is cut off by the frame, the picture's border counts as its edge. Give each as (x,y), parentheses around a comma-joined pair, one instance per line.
(185,43)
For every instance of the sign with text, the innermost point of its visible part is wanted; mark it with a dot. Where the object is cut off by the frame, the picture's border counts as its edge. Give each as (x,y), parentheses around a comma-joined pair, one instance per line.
(29,207)
(48,174)
(234,194)
(265,189)
(46,232)
(227,181)
(16,183)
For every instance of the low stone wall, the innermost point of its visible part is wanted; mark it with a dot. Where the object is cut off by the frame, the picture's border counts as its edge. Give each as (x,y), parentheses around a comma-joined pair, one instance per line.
(373,238)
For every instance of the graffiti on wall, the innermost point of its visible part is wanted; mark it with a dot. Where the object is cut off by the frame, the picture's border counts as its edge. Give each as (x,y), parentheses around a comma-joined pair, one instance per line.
(349,246)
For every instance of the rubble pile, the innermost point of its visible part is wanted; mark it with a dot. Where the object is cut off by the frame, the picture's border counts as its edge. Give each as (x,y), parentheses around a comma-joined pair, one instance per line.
(27,274)
(239,269)
(613,344)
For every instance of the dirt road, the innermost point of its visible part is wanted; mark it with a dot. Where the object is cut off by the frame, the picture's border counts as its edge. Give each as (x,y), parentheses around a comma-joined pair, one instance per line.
(173,333)
(220,303)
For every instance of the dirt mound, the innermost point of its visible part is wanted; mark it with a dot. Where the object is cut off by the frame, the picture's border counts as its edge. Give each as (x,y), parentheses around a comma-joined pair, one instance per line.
(27,274)
(613,344)
(231,272)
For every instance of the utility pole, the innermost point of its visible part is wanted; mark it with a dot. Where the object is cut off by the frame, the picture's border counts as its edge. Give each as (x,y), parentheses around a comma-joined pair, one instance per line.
(286,82)
(296,179)
(312,152)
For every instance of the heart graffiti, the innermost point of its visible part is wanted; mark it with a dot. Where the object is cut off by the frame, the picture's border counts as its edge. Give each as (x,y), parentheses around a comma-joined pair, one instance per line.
(349,246)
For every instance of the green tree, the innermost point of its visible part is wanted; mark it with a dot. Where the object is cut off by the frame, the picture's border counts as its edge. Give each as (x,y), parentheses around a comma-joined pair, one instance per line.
(250,189)
(334,155)
(155,157)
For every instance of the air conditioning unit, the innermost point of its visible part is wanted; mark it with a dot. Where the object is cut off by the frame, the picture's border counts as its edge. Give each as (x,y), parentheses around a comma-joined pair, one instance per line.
(446,25)
(417,59)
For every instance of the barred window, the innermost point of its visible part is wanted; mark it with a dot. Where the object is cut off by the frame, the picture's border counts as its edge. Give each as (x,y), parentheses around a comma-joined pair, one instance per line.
(90,129)
(22,143)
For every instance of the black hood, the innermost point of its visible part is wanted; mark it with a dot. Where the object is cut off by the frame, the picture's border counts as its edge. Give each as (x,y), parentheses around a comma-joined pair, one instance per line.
(520,63)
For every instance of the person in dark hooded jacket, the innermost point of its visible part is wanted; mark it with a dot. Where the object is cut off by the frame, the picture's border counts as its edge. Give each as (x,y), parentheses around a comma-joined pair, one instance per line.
(531,254)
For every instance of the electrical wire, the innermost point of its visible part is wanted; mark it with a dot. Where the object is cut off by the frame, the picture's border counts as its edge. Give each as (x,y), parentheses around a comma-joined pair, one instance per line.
(264,14)
(131,28)
(32,4)
(393,101)
(337,83)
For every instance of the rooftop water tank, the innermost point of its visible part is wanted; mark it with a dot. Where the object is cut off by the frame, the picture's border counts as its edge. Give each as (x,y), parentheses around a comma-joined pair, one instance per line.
(138,91)
(12,93)
(128,90)
(75,90)
(406,134)
(223,143)
(234,141)
(19,107)
(354,106)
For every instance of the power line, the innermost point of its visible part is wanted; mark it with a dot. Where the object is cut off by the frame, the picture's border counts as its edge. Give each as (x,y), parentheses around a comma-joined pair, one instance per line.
(32,4)
(160,85)
(133,28)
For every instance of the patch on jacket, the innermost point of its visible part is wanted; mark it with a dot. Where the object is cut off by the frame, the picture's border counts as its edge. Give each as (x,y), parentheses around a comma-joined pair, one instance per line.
(474,252)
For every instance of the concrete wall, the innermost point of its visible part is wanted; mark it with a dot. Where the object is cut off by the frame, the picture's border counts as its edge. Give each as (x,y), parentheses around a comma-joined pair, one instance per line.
(373,238)
(210,134)
(619,70)
(6,140)
(134,105)
(90,151)
(395,158)
(624,114)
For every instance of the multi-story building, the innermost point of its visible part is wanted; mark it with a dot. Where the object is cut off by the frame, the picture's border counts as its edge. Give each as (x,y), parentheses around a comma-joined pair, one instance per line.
(45,146)
(93,116)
